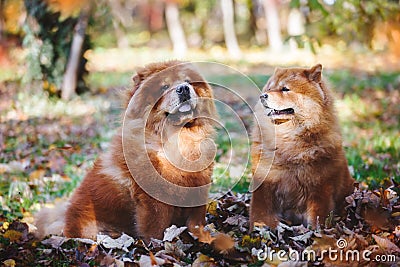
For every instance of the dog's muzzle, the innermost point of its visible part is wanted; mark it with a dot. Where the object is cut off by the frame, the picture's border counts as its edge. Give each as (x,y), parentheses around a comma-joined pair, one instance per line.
(186,104)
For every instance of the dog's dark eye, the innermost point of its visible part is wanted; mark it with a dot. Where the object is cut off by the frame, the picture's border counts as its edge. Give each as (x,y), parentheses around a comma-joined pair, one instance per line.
(165,87)
(285,89)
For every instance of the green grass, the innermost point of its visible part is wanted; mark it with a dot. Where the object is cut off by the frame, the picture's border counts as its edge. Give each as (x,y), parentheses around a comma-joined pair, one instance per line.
(104,80)
(369,112)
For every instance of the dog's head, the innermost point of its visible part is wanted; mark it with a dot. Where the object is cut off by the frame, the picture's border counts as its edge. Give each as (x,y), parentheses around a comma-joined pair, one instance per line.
(295,94)
(172,92)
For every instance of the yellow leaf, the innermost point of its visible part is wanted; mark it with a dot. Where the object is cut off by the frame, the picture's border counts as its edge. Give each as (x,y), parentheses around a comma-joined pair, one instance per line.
(204,236)
(37,174)
(5,225)
(9,263)
(13,235)
(52,147)
(212,208)
(204,261)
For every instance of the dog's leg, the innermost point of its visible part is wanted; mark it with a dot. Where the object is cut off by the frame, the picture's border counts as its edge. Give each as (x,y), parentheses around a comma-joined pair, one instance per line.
(318,208)
(80,221)
(263,208)
(196,218)
(152,217)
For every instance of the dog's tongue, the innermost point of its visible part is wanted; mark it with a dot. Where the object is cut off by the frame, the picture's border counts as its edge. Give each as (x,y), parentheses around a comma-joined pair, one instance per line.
(184,108)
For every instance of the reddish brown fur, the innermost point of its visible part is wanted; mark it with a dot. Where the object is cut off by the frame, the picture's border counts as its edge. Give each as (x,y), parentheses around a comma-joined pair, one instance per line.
(109,199)
(309,176)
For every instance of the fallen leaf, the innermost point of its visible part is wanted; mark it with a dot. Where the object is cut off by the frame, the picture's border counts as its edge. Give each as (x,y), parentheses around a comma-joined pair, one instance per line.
(238,220)
(123,242)
(223,243)
(172,248)
(153,260)
(12,235)
(9,263)
(55,241)
(37,174)
(212,208)
(397,231)
(303,238)
(202,235)
(204,261)
(146,261)
(386,244)
(172,232)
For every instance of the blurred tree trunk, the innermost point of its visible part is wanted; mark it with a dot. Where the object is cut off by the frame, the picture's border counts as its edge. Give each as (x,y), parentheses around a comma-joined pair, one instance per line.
(122,19)
(252,19)
(258,14)
(153,14)
(229,28)
(2,19)
(273,24)
(70,78)
(295,26)
(175,29)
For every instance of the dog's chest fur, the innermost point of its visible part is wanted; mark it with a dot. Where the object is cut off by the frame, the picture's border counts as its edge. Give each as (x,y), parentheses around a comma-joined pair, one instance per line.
(298,171)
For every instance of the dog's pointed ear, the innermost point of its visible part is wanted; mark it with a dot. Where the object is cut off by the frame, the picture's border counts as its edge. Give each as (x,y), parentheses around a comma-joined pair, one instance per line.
(314,74)
(131,91)
(277,70)
(136,79)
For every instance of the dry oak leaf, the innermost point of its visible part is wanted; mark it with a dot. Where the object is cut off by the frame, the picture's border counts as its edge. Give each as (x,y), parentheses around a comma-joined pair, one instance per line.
(55,241)
(146,261)
(385,244)
(204,261)
(171,232)
(123,242)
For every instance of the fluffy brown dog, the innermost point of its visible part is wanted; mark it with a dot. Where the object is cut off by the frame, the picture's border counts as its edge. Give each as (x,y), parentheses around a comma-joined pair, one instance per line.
(164,143)
(298,161)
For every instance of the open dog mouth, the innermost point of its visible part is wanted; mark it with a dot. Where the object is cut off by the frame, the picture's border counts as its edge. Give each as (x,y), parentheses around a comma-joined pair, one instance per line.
(183,108)
(278,116)
(274,112)
(182,114)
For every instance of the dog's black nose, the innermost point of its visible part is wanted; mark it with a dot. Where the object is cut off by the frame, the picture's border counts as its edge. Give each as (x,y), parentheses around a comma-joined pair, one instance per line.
(183,92)
(182,89)
(264,96)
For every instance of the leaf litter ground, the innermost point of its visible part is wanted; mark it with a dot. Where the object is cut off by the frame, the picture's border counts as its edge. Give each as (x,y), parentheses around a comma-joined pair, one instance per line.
(372,224)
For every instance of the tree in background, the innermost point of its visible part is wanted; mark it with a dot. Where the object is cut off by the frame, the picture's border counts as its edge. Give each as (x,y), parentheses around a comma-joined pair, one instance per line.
(12,16)
(271,8)
(49,30)
(70,78)
(52,25)
(121,11)
(175,29)
(348,21)
(228,18)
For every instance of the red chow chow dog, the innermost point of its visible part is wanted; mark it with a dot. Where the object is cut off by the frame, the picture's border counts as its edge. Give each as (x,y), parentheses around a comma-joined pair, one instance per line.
(162,151)
(298,161)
